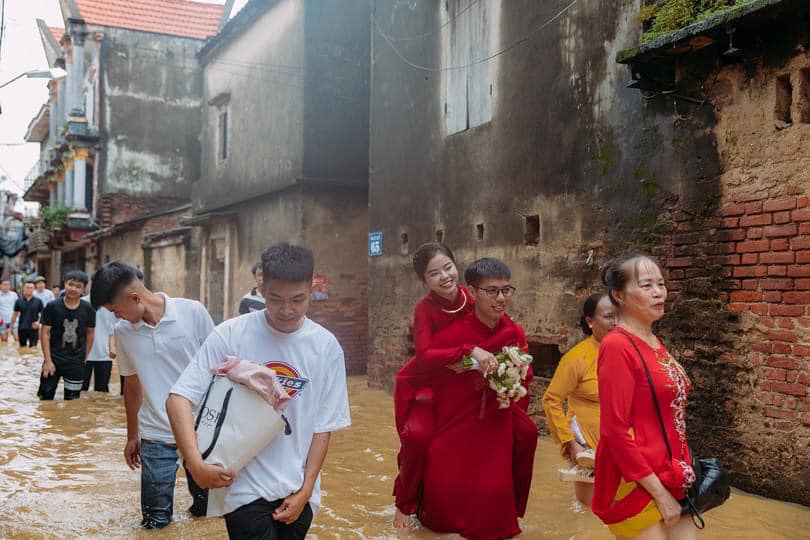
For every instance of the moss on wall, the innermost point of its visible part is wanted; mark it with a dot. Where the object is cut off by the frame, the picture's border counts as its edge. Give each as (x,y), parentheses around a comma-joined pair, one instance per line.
(664,17)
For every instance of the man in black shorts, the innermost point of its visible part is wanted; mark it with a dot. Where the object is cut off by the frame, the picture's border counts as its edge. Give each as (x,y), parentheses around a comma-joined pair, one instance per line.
(68,325)
(27,309)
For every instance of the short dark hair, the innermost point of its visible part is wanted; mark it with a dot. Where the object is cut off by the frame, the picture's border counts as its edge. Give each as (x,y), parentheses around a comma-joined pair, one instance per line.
(425,253)
(488,267)
(109,281)
(286,262)
(255,267)
(76,275)
(615,274)
(589,310)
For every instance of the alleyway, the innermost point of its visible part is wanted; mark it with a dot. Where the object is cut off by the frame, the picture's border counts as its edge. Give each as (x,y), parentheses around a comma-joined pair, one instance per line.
(62,476)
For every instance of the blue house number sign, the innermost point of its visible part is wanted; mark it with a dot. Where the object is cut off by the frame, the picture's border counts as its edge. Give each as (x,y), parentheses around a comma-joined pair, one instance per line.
(375,245)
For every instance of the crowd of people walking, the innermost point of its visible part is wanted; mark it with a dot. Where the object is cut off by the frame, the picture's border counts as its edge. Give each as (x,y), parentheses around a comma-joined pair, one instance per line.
(616,403)
(465,463)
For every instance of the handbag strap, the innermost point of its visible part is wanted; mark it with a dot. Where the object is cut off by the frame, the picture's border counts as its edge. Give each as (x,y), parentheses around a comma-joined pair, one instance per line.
(218,427)
(652,390)
(202,406)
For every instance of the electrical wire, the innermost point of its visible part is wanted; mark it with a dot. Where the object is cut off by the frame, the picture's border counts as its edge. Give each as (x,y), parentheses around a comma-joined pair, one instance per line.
(2,26)
(439,29)
(517,43)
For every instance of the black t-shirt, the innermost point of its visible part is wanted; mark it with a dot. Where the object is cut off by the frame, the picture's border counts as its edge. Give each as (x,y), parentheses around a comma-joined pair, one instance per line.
(68,329)
(29,311)
(252,301)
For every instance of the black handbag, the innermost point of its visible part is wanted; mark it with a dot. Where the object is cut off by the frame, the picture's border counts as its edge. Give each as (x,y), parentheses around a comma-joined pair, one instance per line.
(712,485)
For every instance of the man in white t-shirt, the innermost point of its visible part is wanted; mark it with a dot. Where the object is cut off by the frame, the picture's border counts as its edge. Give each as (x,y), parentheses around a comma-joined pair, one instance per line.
(7,300)
(156,339)
(277,493)
(99,360)
(44,294)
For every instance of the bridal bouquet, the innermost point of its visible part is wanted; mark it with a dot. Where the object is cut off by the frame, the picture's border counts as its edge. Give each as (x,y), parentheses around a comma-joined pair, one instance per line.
(507,380)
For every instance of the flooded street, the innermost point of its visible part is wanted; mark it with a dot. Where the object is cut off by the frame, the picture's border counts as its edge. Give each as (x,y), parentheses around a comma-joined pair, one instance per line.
(62,475)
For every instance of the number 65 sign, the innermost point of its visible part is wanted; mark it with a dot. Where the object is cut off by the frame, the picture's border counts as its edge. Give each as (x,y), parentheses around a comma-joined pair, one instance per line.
(375,244)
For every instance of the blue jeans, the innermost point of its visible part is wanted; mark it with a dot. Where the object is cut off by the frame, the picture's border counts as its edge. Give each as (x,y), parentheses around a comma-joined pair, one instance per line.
(158,474)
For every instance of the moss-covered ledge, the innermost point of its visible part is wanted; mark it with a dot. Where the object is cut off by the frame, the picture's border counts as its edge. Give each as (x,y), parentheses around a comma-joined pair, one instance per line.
(705,32)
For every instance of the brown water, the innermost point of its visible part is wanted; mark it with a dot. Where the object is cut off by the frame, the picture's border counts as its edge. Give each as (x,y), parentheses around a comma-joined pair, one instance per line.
(62,475)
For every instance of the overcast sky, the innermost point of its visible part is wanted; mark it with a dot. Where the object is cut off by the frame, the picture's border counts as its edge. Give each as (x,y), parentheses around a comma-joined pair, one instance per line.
(22,51)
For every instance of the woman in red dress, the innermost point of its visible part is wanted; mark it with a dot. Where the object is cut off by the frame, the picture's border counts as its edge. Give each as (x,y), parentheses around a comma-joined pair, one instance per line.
(445,302)
(478,471)
(638,485)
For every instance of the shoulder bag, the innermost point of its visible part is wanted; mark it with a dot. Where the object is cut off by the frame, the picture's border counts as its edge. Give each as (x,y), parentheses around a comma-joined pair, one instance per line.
(712,485)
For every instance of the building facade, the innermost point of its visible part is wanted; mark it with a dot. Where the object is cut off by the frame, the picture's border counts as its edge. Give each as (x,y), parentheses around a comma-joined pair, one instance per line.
(119,137)
(508,129)
(285,156)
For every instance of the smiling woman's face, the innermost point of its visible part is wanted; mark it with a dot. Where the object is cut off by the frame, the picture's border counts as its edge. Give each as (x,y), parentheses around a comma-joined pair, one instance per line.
(441,276)
(645,293)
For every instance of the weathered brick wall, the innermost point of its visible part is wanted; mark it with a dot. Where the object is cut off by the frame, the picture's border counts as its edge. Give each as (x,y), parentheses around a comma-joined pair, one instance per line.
(114,208)
(739,283)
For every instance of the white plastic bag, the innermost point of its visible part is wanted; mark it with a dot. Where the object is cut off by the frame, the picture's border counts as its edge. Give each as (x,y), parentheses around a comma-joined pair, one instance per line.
(227,431)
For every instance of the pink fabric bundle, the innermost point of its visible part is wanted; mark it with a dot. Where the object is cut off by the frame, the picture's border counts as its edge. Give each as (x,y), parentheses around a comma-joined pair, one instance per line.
(258,378)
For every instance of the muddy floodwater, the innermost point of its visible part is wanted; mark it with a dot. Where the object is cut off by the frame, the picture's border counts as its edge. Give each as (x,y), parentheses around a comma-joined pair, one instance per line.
(62,475)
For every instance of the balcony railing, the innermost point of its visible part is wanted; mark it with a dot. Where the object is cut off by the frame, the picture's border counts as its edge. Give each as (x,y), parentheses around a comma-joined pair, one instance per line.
(33,174)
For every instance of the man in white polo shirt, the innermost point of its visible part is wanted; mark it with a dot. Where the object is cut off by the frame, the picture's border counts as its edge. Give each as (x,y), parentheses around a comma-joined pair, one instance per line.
(157,337)
(276,495)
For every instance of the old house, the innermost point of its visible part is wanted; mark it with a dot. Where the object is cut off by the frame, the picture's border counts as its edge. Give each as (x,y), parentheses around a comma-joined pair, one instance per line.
(120,137)
(509,129)
(285,156)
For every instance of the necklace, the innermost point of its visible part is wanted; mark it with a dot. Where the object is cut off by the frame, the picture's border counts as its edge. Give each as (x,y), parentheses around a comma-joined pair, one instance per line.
(463,305)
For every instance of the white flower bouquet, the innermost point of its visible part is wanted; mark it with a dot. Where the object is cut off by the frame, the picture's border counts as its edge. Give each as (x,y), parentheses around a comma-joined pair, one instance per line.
(507,380)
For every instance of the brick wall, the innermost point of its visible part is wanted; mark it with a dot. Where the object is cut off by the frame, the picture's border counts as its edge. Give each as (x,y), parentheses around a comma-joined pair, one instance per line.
(117,208)
(345,315)
(768,277)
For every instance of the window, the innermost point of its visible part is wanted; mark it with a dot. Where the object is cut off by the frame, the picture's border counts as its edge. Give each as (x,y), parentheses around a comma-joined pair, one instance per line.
(531,230)
(545,357)
(479,231)
(440,235)
(784,102)
(222,153)
(403,243)
(468,84)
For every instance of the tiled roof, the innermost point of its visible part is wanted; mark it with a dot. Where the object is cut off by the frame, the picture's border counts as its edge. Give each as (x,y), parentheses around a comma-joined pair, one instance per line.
(57,32)
(183,18)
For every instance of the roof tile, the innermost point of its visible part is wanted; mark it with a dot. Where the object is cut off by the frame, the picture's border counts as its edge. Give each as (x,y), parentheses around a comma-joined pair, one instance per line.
(183,18)
(57,32)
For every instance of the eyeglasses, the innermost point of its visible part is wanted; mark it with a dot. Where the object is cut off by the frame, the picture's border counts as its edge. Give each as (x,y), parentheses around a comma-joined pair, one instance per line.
(492,292)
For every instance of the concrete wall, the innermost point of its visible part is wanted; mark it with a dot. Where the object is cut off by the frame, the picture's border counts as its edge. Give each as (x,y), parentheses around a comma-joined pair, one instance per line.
(336,92)
(150,113)
(166,261)
(567,143)
(265,109)
(711,186)
(124,247)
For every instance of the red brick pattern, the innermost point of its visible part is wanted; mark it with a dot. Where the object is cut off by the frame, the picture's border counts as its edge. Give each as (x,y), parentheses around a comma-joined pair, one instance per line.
(115,208)
(345,315)
(762,247)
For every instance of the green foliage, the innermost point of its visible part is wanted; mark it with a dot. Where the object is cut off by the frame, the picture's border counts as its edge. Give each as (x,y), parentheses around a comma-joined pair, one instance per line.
(55,217)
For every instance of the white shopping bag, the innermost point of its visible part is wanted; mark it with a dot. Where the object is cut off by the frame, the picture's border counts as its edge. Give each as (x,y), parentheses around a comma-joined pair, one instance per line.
(228,433)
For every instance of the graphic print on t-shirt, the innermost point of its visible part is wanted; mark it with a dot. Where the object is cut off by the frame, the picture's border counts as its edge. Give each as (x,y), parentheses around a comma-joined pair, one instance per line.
(70,336)
(289,378)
